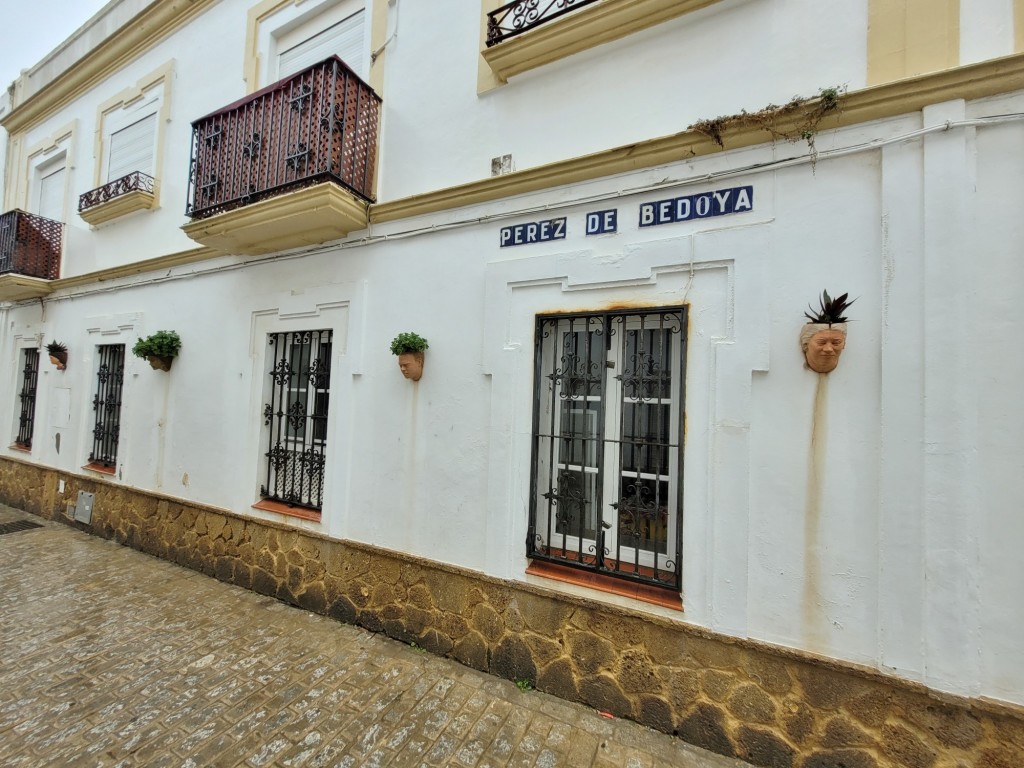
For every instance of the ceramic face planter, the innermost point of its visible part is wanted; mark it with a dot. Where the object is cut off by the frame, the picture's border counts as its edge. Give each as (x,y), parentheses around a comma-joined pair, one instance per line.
(411,365)
(824,337)
(822,345)
(58,355)
(408,348)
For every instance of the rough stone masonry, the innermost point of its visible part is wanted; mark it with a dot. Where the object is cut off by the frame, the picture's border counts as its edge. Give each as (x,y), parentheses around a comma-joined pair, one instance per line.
(768,705)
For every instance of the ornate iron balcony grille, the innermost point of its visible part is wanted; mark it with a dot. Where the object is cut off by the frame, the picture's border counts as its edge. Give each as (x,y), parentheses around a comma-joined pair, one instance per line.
(606,480)
(318,125)
(30,245)
(135,181)
(295,417)
(523,15)
(107,405)
(30,375)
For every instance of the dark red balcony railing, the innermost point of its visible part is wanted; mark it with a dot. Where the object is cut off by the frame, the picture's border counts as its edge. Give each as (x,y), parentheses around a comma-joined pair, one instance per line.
(30,245)
(523,15)
(318,125)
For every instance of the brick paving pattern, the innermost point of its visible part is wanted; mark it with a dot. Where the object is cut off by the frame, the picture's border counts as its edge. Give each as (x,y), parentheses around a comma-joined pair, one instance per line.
(115,658)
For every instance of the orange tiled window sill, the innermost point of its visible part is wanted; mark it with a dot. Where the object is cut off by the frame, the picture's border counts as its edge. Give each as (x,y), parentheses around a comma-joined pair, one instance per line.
(22,448)
(605,583)
(283,509)
(94,467)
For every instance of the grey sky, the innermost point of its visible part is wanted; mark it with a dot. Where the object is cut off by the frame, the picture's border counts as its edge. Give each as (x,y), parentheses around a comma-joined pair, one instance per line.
(30,29)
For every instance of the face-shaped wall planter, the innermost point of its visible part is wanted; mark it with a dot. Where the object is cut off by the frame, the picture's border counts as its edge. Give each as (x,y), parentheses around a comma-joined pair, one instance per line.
(824,337)
(58,355)
(409,348)
(411,365)
(822,345)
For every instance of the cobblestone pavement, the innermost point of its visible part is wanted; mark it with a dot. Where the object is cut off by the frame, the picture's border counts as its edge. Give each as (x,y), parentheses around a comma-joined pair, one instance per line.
(114,658)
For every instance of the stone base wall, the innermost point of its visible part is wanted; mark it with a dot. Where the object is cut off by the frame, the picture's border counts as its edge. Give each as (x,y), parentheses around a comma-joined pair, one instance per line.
(770,706)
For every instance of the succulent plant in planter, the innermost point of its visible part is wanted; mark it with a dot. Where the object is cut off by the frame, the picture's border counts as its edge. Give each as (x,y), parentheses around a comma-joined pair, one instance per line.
(58,354)
(410,348)
(823,337)
(160,349)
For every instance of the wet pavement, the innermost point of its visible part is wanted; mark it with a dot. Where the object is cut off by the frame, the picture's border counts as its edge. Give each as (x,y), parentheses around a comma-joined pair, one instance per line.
(114,658)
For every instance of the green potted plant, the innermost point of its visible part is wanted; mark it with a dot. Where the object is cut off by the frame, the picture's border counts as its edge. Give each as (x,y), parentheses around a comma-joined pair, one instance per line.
(410,348)
(58,354)
(160,349)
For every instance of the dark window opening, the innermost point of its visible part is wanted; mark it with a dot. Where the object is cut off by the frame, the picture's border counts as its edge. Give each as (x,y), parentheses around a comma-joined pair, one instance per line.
(299,371)
(606,479)
(27,396)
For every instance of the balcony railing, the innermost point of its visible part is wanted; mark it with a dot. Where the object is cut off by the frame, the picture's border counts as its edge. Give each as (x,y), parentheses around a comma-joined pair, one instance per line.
(30,245)
(318,125)
(523,15)
(133,182)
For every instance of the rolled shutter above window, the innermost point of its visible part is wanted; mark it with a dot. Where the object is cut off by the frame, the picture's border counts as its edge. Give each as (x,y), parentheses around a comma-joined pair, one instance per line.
(51,195)
(131,149)
(344,39)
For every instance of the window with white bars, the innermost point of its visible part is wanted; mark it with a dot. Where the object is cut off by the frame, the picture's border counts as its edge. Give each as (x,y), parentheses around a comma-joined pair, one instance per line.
(298,391)
(606,487)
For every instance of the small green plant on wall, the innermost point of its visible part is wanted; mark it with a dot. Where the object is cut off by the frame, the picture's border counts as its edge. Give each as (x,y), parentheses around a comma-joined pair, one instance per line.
(410,348)
(160,349)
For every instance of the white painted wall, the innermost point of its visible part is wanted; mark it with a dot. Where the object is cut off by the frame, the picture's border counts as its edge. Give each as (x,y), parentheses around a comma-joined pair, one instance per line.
(902,556)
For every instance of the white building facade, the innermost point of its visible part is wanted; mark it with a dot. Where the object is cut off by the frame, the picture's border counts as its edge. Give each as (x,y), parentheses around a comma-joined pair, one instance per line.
(615,413)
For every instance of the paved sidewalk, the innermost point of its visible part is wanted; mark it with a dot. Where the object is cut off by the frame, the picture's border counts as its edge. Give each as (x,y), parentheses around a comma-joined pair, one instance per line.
(114,658)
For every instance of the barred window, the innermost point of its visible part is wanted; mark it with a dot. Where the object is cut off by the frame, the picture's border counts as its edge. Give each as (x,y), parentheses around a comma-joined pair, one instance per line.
(295,417)
(107,406)
(606,487)
(27,397)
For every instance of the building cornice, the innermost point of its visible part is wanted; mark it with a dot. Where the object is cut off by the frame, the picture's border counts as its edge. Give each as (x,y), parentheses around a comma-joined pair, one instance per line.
(133,39)
(156,264)
(900,97)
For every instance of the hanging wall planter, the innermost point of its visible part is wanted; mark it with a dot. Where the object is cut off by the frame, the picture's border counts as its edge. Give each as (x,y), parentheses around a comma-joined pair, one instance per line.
(823,338)
(58,354)
(160,349)
(410,348)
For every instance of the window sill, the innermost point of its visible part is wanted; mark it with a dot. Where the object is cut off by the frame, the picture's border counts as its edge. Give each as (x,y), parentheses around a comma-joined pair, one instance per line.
(22,448)
(103,470)
(591,26)
(603,583)
(283,509)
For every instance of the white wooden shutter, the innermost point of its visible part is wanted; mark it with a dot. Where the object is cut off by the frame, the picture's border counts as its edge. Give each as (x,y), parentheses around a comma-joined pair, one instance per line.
(344,39)
(51,195)
(131,149)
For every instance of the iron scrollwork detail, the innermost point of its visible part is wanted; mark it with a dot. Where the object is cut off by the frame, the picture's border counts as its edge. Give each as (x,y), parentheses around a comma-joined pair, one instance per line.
(523,15)
(132,182)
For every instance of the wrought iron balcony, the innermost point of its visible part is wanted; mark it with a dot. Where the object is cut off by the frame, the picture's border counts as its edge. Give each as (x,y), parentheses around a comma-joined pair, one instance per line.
(133,192)
(523,15)
(316,126)
(30,245)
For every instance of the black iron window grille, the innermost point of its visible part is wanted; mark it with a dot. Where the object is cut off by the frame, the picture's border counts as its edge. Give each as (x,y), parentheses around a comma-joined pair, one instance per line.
(295,417)
(107,405)
(523,15)
(606,479)
(29,378)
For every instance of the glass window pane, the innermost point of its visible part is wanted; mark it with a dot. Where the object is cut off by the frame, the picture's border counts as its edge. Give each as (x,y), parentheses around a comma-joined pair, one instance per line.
(643,513)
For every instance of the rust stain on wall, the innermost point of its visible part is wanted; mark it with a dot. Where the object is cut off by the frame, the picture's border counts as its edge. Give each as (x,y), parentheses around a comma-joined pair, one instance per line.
(811,607)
